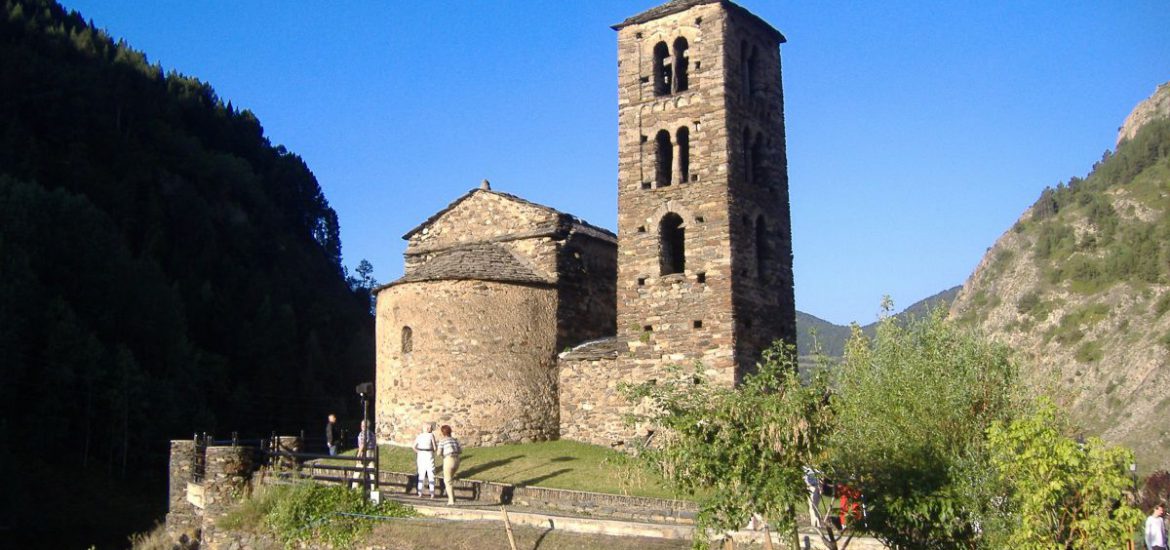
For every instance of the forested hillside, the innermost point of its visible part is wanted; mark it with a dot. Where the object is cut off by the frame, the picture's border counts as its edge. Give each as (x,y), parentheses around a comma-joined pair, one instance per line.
(164,269)
(1081,287)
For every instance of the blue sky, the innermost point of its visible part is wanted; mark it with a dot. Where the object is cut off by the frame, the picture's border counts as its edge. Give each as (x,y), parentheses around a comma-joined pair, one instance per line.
(918,132)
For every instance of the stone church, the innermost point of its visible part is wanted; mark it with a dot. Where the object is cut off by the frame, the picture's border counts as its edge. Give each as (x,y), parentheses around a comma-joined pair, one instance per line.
(517,322)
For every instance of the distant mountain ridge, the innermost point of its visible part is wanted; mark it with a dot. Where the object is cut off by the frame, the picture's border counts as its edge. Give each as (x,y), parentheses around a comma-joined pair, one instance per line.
(1080,288)
(814,333)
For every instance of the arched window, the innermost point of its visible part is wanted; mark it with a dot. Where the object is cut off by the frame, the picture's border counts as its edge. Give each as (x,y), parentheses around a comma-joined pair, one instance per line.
(662,69)
(763,252)
(671,247)
(407,340)
(757,165)
(683,139)
(663,158)
(681,64)
(747,154)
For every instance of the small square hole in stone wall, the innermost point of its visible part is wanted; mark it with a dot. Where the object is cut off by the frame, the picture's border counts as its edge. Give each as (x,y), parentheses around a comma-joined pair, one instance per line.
(698,21)
(698,324)
(644,138)
(641,281)
(648,328)
(700,219)
(694,177)
(645,185)
(641,229)
(698,65)
(637,35)
(644,79)
(701,277)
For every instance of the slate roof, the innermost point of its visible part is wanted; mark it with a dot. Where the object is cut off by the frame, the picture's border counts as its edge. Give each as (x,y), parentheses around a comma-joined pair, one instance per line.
(569,221)
(676,6)
(477,262)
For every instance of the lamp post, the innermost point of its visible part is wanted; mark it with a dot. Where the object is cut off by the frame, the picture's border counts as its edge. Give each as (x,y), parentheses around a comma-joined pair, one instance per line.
(1133,474)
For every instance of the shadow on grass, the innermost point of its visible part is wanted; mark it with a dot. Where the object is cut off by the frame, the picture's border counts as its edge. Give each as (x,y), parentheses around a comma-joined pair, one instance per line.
(480,468)
(563,459)
(538,479)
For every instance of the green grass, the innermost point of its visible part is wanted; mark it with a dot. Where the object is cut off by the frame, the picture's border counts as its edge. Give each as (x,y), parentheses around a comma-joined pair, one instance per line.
(555,464)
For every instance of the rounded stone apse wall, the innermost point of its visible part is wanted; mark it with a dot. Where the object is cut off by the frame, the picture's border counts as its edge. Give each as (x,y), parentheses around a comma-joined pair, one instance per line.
(478,355)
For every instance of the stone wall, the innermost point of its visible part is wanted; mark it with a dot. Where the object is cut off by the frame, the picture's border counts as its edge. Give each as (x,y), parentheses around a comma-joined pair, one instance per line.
(183,518)
(226,483)
(586,294)
(481,358)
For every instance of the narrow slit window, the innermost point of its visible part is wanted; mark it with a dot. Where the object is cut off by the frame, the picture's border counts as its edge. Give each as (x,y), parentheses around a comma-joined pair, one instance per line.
(407,340)
(683,138)
(757,159)
(672,247)
(763,252)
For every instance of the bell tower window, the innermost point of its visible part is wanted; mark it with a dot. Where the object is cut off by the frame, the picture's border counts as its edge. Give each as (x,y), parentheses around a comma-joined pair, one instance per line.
(663,158)
(663,72)
(671,244)
(681,64)
(683,139)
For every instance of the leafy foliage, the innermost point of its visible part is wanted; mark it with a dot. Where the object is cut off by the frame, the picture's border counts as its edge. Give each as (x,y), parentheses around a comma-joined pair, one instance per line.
(913,405)
(164,269)
(1058,493)
(744,446)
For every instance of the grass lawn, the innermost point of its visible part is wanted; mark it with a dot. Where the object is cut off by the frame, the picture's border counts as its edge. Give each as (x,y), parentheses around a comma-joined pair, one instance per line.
(556,464)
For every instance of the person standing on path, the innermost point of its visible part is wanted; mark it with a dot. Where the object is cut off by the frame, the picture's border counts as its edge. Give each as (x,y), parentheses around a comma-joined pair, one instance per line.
(450,449)
(1156,528)
(332,435)
(424,448)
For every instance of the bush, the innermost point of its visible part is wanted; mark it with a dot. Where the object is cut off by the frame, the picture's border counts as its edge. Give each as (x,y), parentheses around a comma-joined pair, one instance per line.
(312,512)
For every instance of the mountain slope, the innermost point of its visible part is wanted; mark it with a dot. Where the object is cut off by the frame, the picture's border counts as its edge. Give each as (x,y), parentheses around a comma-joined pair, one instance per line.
(814,333)
(1080,286)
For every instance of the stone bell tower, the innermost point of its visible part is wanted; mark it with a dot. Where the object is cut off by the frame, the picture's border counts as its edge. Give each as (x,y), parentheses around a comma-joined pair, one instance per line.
(705,245)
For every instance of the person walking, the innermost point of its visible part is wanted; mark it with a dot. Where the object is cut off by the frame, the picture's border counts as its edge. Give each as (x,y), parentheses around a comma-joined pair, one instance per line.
(450,449)
(332,435)
(1156,528)
(424,449)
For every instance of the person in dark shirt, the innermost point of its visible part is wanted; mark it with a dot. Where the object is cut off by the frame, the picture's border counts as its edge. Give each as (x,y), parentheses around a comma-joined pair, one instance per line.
(332,435)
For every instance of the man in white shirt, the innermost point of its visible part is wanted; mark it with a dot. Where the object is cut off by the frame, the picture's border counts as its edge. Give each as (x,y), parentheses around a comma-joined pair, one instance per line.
(424,448)
(1156,529)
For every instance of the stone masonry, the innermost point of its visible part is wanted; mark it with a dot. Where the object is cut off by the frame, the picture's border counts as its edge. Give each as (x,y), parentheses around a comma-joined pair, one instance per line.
(494,287)
(699,273)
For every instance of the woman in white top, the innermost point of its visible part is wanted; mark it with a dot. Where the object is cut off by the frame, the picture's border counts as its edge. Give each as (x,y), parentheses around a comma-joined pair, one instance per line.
(450,449)
(424,448)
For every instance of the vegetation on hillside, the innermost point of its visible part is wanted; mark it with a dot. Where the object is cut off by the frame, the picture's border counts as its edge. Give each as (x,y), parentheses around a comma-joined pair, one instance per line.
(1110,247)
(164,269)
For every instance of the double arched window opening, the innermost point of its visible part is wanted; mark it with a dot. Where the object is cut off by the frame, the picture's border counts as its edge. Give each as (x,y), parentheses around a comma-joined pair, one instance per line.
(670,70)
(671,244)
(665,167)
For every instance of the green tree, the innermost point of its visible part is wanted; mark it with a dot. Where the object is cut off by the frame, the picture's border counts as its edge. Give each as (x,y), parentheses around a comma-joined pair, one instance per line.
(742,448)
(913,407)
(1058,493)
